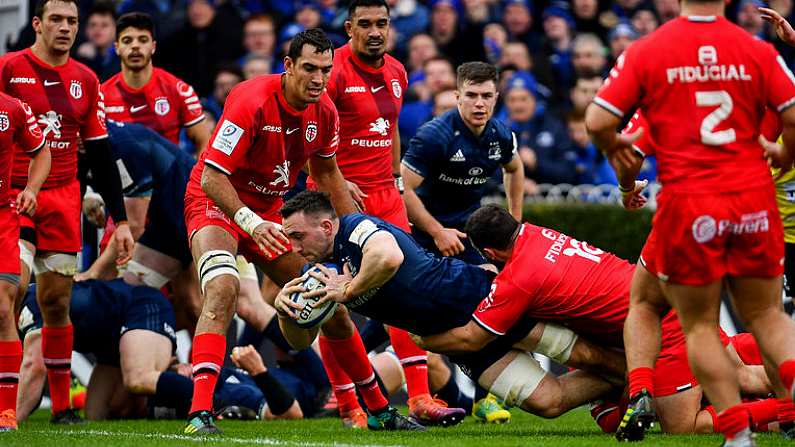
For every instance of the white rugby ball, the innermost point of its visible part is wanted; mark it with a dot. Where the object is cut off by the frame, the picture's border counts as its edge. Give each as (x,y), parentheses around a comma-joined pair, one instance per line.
(312,314)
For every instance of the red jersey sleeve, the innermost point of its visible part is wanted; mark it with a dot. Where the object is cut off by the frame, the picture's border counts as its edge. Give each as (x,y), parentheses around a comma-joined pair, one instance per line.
(94,124)
(28,137)
(621,90)
(235,132)
(781,82)
(503,307)
(329,147)
(190,108)
(642,145)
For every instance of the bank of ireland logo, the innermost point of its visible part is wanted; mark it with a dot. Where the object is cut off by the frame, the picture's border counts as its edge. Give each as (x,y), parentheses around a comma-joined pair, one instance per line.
(76,89)
(5,123)
(311,132)
(396,90)
(704,229)
(162,106)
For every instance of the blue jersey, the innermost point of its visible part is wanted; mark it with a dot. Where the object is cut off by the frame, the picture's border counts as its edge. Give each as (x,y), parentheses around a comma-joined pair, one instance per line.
(456,165)
(427,295)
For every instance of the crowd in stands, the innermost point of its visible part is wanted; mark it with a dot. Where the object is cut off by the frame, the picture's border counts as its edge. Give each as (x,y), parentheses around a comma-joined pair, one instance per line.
(552,57)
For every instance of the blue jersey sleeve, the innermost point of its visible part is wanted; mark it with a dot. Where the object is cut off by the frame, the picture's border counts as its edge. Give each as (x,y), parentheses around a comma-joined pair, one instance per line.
(356,229)
(424,152)
(510,147)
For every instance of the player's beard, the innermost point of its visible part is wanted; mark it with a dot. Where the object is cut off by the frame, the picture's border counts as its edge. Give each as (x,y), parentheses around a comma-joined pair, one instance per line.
(138,65)
(372,55)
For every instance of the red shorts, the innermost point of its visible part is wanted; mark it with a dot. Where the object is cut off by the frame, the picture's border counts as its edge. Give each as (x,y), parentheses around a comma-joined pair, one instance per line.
(9,241)
(647,254)
(709,236)
(745,345)
(672,372)
(203,212)
(57,219)
(387,204)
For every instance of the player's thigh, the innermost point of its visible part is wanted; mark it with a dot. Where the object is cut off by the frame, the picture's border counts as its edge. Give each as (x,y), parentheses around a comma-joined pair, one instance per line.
(102,386)
(753,297)
(646,289)
(284,268)
(161,263)
(695,304)
(677,412)
(142,351)
(211,237)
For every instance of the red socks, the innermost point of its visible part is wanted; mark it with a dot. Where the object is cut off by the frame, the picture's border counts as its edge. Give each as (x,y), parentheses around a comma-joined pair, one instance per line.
(10,361)
(352,358)
(342,386)
(787,372)
(208,358)
(762,412)
(733,420)
(786,411)
(640,378)
(413,360)
(56,347)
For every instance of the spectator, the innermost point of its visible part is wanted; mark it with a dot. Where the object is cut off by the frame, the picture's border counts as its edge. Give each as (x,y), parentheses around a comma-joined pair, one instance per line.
(624,9)
(645,21)
(667,9)
(582,150)
(480,12)
(558,30)
(211,37)
(589,55)
(421,49)
(259,37)
(409,19)
(454,39)
(749,19)
(256,66)
(517,54)
(168,15)
(584,91)
(540,136)
(98,52)
(494,39)
(443,101)
(226,78)
(307,14)
(439,75)
(586,17)
(285,36)
(620,38)
(517,17)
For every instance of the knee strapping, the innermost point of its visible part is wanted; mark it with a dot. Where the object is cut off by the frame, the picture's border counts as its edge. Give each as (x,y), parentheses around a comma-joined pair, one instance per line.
(61,263)
(148,276)
(214,263)
(25,255)
(518,380)
(556,342)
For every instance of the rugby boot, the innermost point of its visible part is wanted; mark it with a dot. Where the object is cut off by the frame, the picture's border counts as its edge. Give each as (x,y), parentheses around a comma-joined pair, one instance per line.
(356,418)
(742,439)
(67,417)
(238,412)
(430,412)
(787,430)
(201,423)
(390,420)
(640,416)
(490,410)
(8,420)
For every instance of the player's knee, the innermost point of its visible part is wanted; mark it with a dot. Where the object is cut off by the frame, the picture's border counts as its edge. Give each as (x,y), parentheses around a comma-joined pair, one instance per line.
(54,306)
(135,383)
(518,381)
(138,273)
(218,273)
(61,263)
(557,343)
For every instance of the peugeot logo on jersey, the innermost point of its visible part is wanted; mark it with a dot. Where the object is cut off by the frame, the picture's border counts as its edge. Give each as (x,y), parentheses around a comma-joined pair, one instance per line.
(282,172)
(76,89)
(311,132)
(162,106)
(52,123)
(380,126)
(5,123)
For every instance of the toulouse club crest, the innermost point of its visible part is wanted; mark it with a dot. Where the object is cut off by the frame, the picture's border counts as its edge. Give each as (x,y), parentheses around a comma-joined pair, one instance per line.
(162,107)
(396,90)
(76,89)
(5,123)
(311,132)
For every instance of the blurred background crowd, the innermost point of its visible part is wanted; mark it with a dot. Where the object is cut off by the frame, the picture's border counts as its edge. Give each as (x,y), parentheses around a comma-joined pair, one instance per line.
(552,57)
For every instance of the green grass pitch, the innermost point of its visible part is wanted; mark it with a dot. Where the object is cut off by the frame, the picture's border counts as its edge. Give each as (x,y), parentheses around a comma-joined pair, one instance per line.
(574,429)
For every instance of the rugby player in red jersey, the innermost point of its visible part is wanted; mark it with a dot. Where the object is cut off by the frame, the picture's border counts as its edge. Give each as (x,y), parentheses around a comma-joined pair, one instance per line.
(367,86)
(64,97)
(18,129)
(144,94)
(704,98)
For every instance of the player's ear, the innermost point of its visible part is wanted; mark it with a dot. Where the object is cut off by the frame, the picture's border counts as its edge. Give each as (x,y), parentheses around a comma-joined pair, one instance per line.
(348,27)
(154,46)
(36,24)
(288,65)
(328,227)
(490,254)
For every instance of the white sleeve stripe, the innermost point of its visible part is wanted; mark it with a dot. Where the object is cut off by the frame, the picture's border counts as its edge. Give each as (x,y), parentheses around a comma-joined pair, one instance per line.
(609,107)
(100,137)
(37,148)
(413,169)
(192,99)
(486,326)
(318,154)
(195,121)
(786,105)
(217,166)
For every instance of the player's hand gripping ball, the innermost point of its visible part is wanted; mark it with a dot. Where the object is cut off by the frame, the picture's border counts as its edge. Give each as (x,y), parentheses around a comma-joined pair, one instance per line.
(315,309)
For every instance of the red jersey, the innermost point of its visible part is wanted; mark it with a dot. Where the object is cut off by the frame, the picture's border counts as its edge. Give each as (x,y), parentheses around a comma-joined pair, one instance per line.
(704,98)
(18,131)
(368,101)
(552,277)
(643,144)
(261,142)
(67,104)
(165,104)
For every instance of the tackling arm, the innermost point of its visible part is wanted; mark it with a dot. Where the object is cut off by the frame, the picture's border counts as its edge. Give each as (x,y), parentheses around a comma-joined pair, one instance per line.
(381,259)
(468,338)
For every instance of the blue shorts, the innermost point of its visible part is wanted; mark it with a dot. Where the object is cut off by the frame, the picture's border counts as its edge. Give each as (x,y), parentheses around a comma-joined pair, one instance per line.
(165,229)
(236,387)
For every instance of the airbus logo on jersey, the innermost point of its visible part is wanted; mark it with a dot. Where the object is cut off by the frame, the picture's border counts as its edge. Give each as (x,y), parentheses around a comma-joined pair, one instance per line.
(162,107)
(282,172)
(355,89)
(115,109)
(51,122)
(76,89)
(5,123)
(380,126)
(20,80)
(269,128)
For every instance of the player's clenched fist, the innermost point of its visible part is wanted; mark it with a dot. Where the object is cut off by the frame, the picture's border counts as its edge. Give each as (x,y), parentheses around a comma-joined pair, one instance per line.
(777,155)
(448,241)
(248,359)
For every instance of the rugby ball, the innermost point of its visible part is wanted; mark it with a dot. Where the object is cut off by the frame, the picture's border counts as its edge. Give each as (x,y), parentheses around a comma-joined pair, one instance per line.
(312,314)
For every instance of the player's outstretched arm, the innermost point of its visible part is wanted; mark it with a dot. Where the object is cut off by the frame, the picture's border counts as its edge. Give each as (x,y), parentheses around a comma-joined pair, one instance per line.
(200,134)
(783,28)
(329,180)
(468,338)
(513,180)
(602,125)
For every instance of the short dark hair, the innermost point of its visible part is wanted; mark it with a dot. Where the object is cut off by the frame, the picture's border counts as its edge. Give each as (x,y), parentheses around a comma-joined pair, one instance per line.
(308,202)
(228,67)
(102,9)
(38,11)
(366,4)
(476,73)
(491,226)
(315,37)
(137,20)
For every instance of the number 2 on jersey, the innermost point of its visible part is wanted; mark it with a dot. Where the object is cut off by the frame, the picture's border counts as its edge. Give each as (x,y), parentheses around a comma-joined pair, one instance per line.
(723,100)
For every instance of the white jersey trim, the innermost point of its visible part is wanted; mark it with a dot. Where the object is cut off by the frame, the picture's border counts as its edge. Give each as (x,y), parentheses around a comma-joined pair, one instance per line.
(217,166)
(702,19)
(318,154)
(609,107)
(486,326)
(195,121)
(100,137)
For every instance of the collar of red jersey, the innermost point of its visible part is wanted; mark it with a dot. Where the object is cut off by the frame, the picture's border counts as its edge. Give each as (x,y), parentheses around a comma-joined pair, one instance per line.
(702,19)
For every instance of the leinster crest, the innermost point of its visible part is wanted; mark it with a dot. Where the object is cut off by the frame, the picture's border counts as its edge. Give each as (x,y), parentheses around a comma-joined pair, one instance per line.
(4,122)
(76,89)
(311,132)
(396,90)
(162,107)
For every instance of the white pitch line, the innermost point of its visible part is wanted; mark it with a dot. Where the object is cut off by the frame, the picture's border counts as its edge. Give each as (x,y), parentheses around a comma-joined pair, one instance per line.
(202,439)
